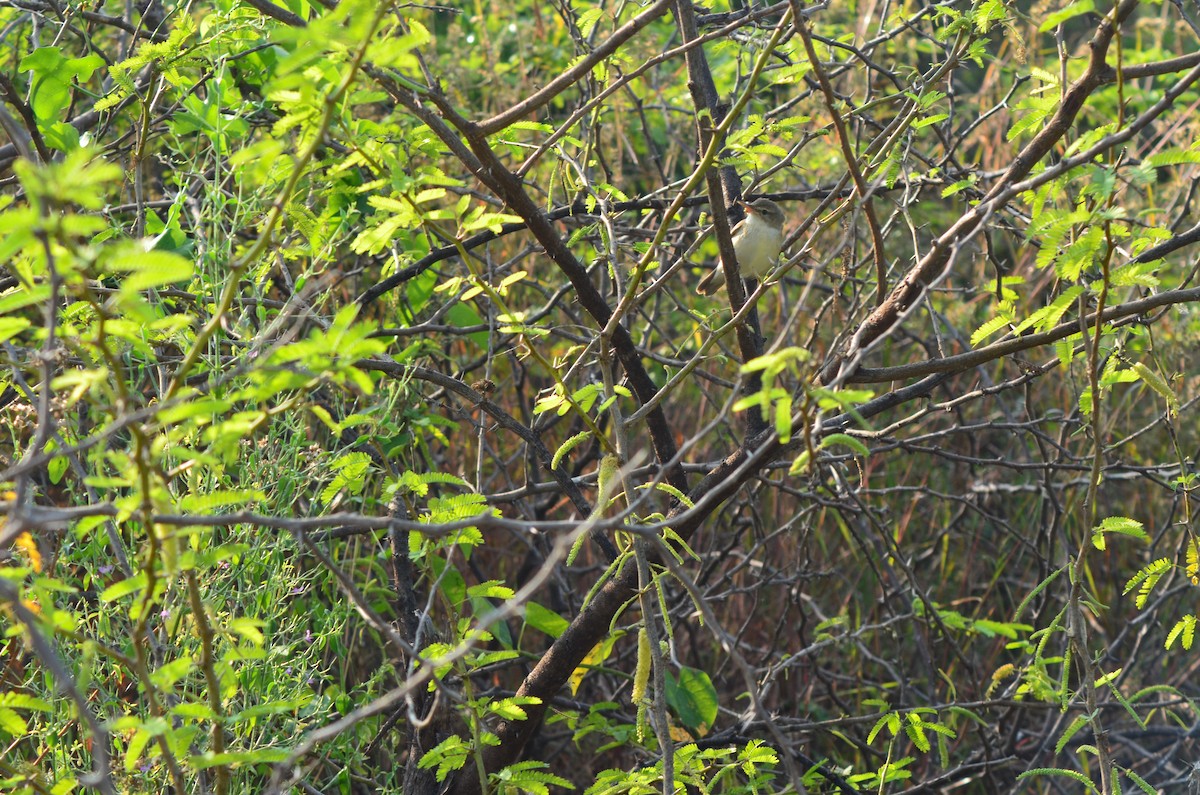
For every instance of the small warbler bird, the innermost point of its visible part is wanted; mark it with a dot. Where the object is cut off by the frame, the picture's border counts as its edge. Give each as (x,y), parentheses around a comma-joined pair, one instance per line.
(757,240)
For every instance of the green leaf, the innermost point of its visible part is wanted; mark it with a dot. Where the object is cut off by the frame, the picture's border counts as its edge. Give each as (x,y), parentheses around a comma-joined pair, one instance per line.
(1172,157)
(193,711)
(1183,631)
(914,728)
(545,620)
(1120,525)
(492,589)
(168,674)
(207,409)
(588,19)
(959,186)
(512,708)
(693,698)
(452,584)
(144,734)
(885,721)
(24,701)
(123,588)
(1078,8)
(1146,579)
(1056,771)
(783,418)
(81,177)
(847,440)
(260,756)
(12,723)
(528,777)
(351,472)
(1000,322)
(248,628)
(146,269)
(12,326)
(51,77)
(23,297)
(219,498)
(447,756)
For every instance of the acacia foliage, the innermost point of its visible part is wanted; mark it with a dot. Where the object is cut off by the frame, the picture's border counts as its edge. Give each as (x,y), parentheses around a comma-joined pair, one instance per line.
(364,431)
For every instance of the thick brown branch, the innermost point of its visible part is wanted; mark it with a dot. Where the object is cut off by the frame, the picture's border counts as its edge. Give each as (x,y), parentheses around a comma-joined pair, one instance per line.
(443,253)
(277,12)
(909,288)
(593,623)
(560,475)
(508,186)
(724,188)
(964,361)
(50,9)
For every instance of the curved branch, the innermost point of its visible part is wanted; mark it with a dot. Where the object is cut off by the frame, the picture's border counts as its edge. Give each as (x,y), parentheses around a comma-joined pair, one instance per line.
(965,361)
(903,295)
(572,75)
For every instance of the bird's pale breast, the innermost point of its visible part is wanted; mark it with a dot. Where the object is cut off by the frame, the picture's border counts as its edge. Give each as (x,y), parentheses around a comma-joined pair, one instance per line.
(757,245)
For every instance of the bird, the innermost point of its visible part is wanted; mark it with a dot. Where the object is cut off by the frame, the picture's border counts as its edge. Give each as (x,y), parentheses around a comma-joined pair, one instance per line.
(757,241)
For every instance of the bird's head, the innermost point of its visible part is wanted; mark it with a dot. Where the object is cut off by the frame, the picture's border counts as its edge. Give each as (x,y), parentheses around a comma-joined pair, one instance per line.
(765,209)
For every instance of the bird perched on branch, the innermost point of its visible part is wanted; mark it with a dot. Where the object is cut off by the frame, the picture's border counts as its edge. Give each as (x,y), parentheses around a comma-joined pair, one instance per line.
(757,240)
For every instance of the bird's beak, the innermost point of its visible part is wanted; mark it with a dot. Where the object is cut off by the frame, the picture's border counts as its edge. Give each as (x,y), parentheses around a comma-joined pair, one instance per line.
(745,206)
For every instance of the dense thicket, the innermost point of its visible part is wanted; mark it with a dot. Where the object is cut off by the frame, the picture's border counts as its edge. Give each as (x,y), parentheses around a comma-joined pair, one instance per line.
(364,432)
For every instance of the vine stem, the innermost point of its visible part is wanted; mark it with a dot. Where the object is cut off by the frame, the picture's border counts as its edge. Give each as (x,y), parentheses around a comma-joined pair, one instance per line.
(239,267)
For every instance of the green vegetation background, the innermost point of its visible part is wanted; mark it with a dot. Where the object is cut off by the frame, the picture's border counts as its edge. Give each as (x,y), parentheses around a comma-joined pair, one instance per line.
(290,394)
